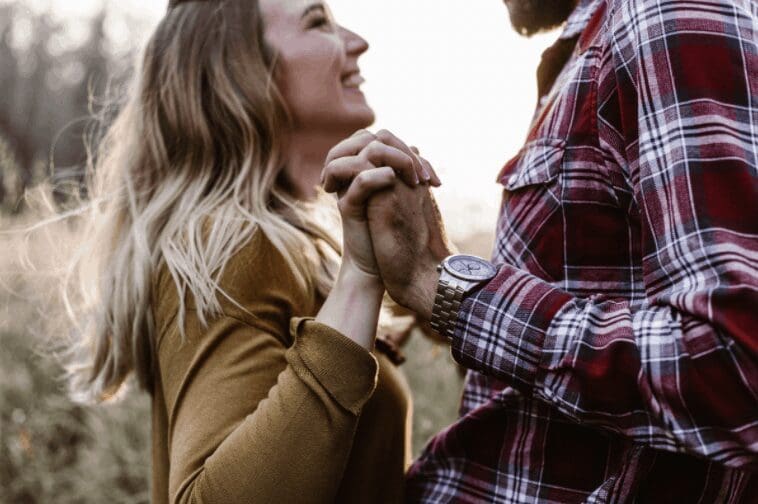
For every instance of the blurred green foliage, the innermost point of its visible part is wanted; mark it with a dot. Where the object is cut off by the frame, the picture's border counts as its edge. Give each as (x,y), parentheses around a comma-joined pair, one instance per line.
(55,451)
(52,450)
(56,74)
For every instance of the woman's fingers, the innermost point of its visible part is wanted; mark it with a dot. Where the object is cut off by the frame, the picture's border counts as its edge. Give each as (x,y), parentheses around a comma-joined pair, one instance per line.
(339,172)
(380,154)
(353,203)
(435,181)
(365,151)
(351,146)
(389,138)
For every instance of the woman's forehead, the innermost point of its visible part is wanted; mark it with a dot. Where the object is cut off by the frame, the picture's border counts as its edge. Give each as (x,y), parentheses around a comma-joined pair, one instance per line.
(289,10)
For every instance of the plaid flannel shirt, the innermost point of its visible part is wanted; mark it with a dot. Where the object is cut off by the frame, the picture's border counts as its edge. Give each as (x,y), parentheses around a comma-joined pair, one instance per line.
(614,357)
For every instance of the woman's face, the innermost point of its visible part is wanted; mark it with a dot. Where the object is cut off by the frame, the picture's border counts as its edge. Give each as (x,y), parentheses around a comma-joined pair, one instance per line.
(317,66)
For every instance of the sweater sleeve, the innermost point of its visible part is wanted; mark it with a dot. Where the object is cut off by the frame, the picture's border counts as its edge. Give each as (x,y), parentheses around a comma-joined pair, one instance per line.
(253,421)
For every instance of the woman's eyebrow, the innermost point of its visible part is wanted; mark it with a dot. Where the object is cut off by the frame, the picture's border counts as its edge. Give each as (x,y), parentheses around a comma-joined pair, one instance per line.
(313,7)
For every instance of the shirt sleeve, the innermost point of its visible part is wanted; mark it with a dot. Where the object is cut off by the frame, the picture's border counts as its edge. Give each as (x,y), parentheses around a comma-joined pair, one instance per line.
(680,371)
(253,421)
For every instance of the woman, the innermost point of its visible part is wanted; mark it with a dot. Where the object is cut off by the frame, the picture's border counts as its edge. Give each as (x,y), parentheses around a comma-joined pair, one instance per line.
(208,269)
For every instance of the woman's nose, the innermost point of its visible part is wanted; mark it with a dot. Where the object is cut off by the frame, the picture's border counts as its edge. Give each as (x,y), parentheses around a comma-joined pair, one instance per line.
(354,43)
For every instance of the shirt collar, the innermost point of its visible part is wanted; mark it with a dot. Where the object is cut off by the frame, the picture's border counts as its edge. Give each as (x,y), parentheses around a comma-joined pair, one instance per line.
(579,19)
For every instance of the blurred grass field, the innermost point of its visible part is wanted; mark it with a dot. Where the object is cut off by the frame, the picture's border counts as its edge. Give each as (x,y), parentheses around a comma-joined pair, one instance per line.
(53,451)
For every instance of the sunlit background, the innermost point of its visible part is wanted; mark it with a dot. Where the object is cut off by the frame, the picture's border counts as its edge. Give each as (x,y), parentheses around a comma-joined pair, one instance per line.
(456,80)
(448,76)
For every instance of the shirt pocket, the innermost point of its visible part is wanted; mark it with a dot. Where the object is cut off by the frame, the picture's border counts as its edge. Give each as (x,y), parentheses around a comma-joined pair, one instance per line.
(530,230)
(538,162)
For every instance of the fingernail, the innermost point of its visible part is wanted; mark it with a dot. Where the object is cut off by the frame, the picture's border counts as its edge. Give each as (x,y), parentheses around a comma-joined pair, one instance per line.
(427,177)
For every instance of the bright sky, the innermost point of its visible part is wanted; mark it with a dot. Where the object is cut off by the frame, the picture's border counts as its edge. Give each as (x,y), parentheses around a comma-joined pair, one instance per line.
(451,77)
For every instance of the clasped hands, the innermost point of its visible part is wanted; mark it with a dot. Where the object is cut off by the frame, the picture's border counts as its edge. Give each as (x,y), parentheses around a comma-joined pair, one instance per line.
(392,228)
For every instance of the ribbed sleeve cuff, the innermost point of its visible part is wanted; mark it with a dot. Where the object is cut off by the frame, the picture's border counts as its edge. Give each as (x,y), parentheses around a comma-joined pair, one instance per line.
(346,370)
(501,329)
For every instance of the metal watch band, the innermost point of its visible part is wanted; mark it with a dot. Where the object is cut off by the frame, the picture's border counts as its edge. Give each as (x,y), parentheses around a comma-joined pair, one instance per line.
(447,303)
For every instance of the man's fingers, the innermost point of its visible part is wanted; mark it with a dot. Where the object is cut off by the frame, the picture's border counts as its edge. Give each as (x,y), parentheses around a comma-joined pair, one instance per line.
(365,184)
(380,154)
(351,146)
(341,171)
(389,138)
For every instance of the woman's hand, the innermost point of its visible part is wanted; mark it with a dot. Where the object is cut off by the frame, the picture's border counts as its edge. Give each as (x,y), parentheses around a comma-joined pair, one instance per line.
(358,168)
(358,251)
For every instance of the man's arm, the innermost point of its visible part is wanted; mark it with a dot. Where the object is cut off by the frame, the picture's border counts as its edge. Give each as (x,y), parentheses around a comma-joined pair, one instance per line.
(679,373)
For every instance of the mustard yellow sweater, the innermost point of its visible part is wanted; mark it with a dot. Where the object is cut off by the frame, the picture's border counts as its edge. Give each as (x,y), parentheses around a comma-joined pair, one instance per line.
(265,405)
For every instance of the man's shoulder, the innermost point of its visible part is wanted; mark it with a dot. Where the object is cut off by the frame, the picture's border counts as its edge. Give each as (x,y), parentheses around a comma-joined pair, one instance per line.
(656,16)
(636,26)
(664,7)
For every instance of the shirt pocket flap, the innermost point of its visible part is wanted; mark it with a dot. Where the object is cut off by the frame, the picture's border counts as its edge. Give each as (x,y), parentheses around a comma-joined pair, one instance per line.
(538,162)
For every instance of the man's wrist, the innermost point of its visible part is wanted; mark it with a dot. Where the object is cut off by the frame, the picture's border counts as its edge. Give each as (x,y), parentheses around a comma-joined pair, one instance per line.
(423,292)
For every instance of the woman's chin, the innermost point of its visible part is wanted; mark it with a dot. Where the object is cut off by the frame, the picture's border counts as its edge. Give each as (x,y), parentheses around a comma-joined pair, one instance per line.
(368,119)
(359,118)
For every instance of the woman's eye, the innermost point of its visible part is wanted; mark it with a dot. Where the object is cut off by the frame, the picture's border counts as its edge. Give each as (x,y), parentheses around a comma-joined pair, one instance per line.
(319,22)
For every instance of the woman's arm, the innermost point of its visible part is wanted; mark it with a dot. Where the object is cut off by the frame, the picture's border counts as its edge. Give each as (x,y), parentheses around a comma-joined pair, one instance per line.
(253,421)
(352,307)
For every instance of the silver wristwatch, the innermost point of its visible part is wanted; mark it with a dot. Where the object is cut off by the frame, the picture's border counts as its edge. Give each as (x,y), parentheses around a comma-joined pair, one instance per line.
(459,276)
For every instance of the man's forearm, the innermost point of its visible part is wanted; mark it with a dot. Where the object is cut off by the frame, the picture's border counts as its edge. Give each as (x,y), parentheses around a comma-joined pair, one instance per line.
(603,363)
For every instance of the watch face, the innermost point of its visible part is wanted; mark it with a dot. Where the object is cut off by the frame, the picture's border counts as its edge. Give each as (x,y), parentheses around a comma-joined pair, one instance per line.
(469,267)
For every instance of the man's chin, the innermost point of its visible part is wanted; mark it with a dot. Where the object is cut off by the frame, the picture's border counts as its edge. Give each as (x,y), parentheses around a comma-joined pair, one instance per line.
(534,16)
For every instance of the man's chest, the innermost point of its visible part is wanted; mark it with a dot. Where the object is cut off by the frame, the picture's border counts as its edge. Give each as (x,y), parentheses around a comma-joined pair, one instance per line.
(569,214)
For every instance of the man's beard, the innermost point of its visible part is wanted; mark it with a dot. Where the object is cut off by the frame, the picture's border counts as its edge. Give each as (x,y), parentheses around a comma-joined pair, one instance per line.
(531,16)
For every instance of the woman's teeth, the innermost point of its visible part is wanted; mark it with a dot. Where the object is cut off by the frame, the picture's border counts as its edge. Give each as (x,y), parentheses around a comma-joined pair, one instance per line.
(353,80)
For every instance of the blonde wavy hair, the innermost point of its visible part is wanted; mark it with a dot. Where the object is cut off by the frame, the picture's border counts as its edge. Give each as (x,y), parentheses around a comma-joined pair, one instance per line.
(188,171)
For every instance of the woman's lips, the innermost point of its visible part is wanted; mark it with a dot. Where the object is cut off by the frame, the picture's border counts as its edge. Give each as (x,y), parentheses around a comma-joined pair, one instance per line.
(354,80)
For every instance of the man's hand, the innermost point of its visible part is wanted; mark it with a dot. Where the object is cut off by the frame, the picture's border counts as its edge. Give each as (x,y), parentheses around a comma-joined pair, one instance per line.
(407,233)
(409,242)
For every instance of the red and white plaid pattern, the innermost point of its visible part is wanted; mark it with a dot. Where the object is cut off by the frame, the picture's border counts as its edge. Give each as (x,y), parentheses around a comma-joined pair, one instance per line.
(615,355)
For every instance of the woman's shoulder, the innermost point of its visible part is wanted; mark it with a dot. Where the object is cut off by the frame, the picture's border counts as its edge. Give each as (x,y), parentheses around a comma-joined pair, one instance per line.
(259,273)
(257,286)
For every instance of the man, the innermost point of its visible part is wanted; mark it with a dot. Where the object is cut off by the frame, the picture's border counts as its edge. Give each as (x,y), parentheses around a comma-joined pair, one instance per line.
(613,344)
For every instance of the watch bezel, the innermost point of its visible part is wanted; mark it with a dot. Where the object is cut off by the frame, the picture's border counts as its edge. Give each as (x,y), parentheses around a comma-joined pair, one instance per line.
(491,272)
